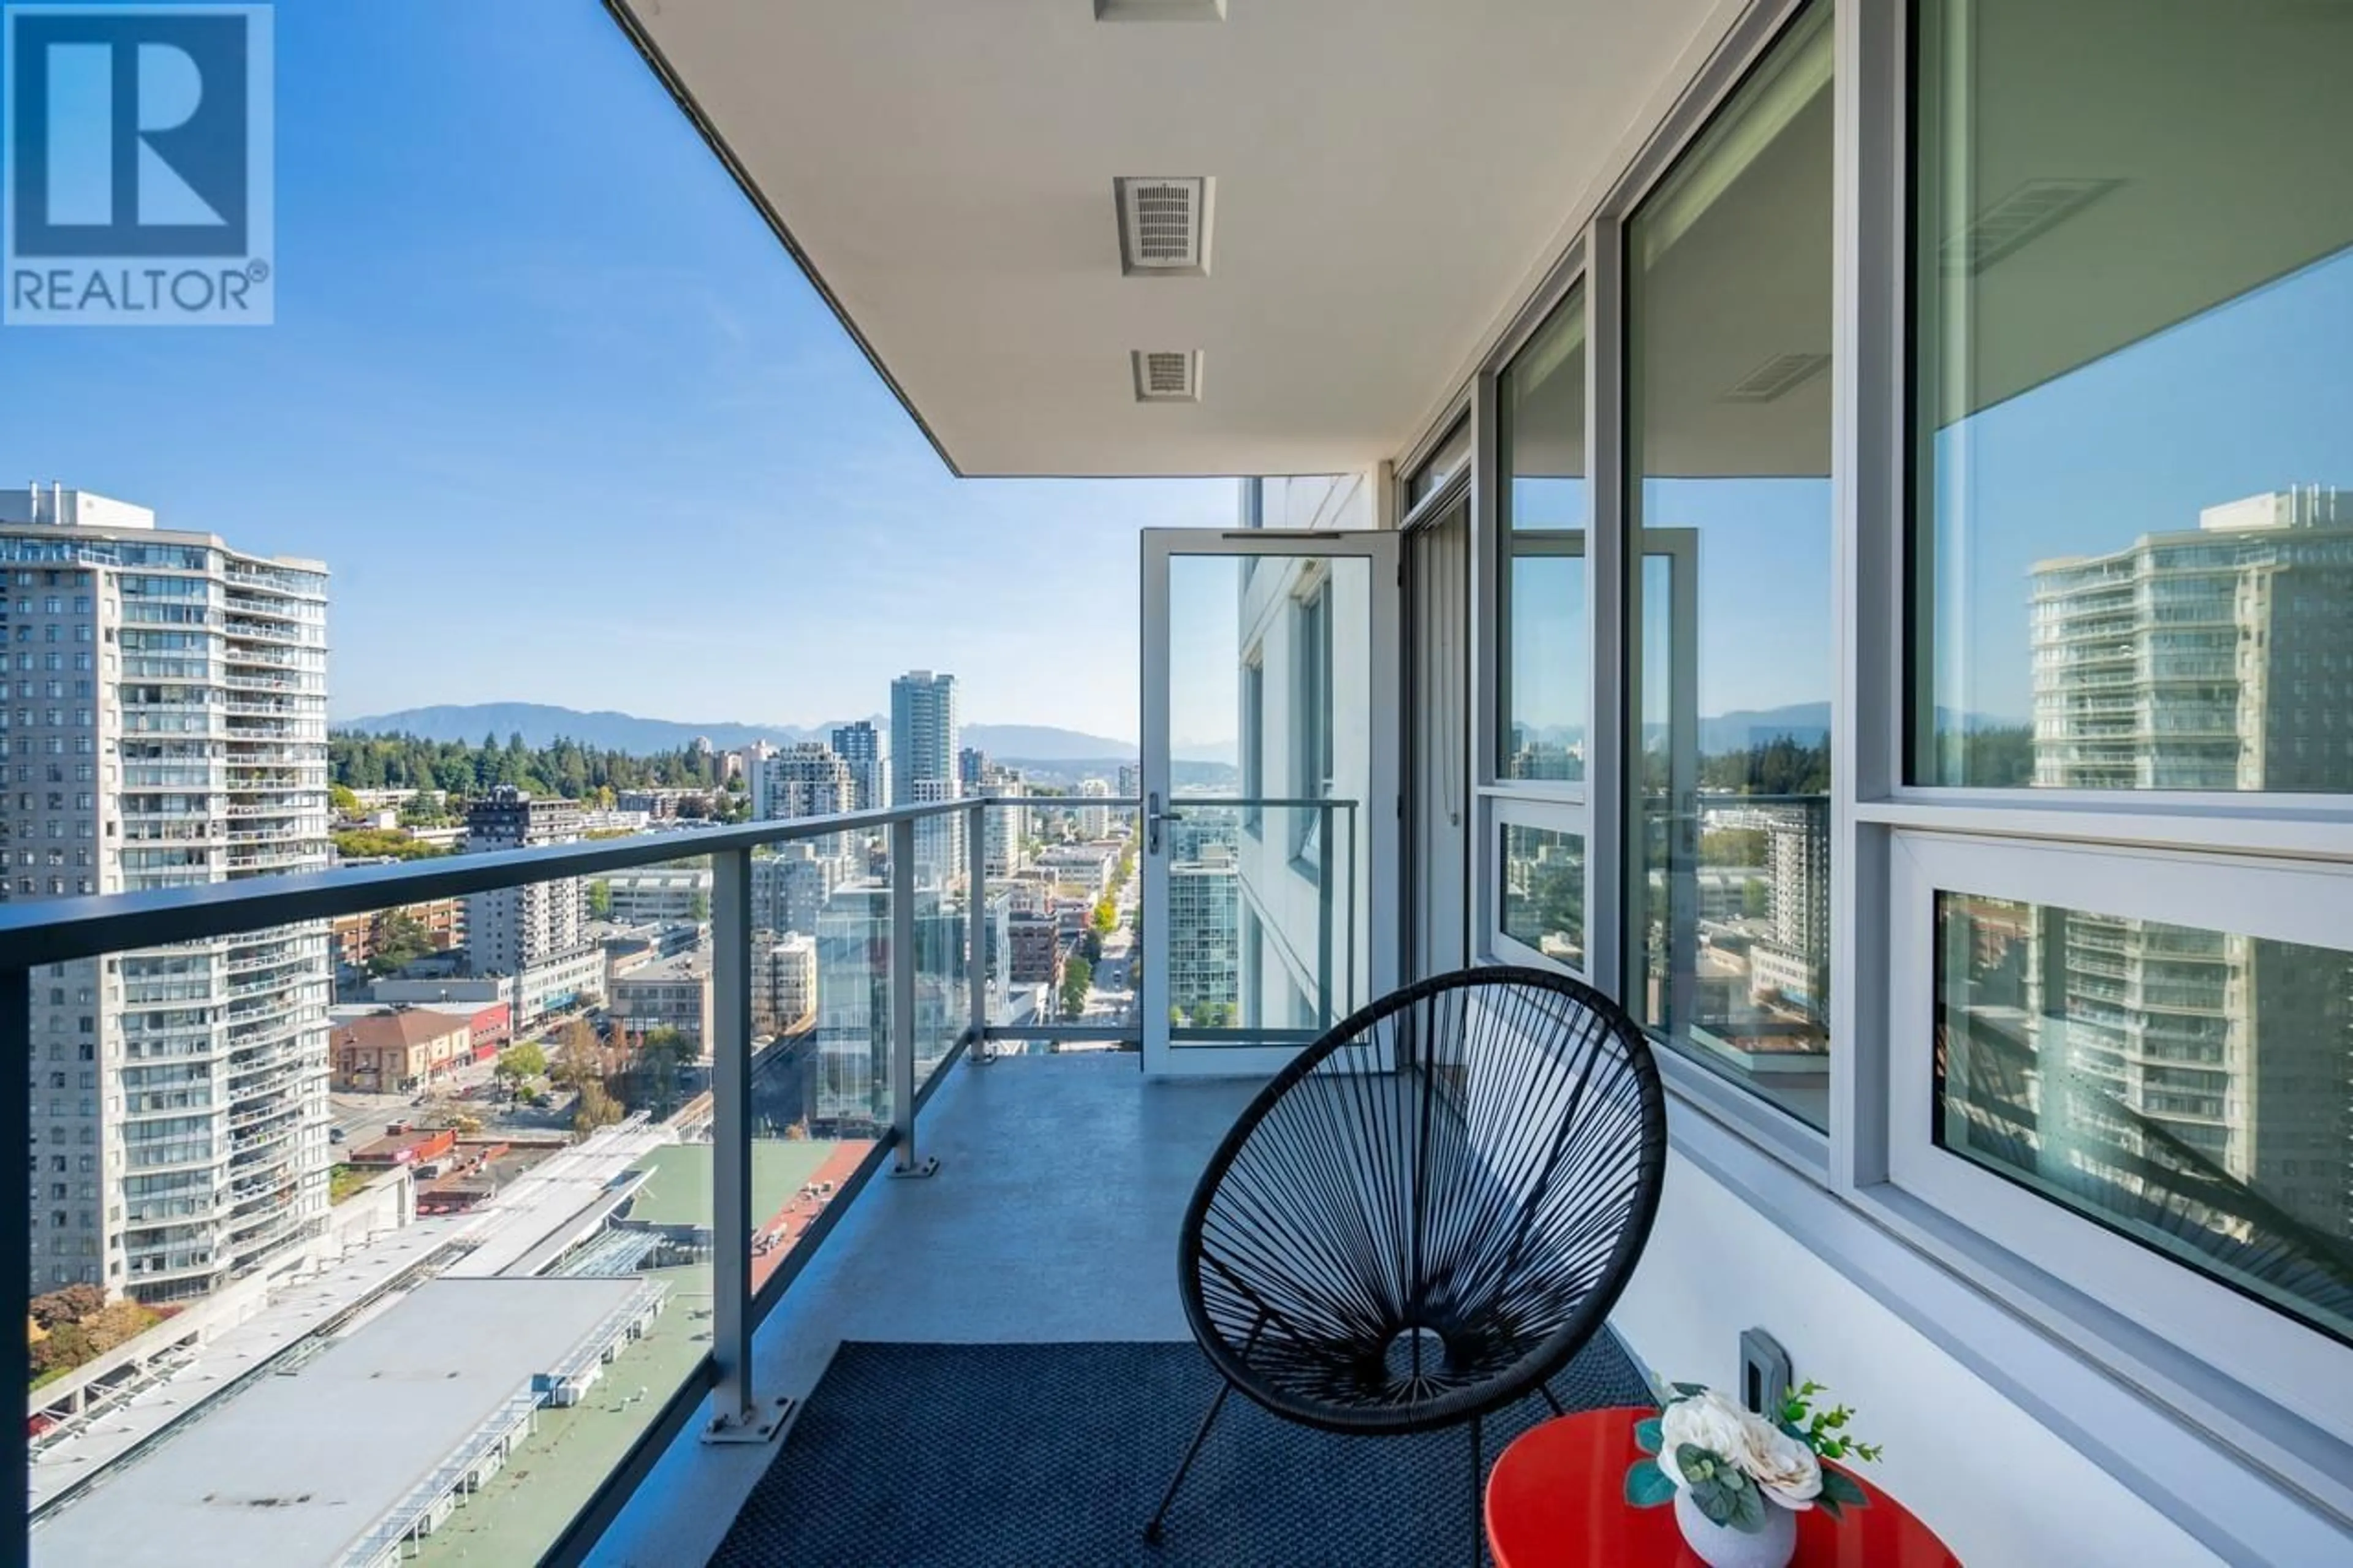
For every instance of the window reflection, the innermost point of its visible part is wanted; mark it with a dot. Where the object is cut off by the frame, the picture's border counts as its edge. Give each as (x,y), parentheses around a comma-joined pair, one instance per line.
(1728,647)
(2135,297)
(2192,1089)
(1541,590)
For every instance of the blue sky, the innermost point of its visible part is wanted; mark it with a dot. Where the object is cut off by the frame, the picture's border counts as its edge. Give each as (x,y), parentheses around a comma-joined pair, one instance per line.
(568,422)
(570,427)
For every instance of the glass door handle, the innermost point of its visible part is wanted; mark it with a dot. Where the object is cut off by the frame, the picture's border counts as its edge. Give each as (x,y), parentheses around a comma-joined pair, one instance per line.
(1153,817)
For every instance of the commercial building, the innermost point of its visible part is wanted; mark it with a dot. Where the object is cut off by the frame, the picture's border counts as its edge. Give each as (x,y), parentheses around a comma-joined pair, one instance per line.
(670,993)
(383,1050)
(810,779)
(169,727)
(660,895)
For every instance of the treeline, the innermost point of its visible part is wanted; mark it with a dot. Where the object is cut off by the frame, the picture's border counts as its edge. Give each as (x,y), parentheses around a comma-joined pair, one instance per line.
(563,768)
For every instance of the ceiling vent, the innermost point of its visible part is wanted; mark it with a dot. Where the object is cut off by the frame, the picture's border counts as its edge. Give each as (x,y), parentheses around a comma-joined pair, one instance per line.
(1160,10)
(1780,374)
(1167,375)
(1164,226)
(2017,220)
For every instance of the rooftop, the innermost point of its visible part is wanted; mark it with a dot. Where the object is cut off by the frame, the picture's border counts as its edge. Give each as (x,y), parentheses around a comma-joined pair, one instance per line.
(303,1466)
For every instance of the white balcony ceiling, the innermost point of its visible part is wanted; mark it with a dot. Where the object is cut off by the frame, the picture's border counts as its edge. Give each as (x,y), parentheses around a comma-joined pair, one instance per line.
(1391,178)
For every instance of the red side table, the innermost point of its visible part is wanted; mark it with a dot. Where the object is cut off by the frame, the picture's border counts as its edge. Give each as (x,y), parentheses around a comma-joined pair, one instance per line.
(1557,1499)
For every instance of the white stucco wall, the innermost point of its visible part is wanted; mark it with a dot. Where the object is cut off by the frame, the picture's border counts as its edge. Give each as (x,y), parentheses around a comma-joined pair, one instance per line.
(2002,1489)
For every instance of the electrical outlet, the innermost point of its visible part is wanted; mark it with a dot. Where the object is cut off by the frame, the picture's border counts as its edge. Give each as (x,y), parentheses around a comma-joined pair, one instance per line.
(1765,1376)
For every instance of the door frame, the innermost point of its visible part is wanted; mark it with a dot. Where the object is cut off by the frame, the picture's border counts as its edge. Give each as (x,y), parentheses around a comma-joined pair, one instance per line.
(1420,617)
(1378,815)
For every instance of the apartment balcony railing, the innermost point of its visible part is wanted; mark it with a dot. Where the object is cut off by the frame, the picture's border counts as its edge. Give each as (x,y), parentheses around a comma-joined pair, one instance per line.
(922,1042)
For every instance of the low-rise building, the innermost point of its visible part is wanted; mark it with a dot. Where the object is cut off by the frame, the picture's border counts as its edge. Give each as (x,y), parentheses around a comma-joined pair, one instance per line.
(1035,947)
(395,1048)
(1085,868)
(660,895)
(672,993)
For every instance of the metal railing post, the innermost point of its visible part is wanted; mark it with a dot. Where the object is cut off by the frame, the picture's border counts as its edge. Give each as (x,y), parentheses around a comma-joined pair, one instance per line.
(975,922)
(737,1415)
(902,1000)
(1327,855)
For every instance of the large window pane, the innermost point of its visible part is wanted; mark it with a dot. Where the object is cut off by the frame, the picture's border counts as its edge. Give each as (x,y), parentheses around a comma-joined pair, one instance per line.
(2134,293)
(1728,646)
(2191,1088)
(1540,592)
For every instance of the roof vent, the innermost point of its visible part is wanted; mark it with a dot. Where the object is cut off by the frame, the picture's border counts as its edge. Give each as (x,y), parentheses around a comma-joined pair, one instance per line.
(1164,226)
(1781,374)
(1160,10)
(1167,375)
(2024,215)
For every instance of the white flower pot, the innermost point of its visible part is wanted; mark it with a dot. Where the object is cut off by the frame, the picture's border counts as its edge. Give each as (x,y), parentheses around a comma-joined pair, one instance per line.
(1721,1546)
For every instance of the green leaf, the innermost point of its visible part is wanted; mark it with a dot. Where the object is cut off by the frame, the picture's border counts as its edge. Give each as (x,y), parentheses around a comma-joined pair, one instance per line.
(1747,1504)
(1828,1504)
(1689,1390)
(1698,1464)
(1647,1485)
(1647,1435)
(1843,1489)
(1715,1500)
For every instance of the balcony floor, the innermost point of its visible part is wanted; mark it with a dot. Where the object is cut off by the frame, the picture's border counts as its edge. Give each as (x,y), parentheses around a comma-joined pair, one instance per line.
(1052,1222)
(1053,1219)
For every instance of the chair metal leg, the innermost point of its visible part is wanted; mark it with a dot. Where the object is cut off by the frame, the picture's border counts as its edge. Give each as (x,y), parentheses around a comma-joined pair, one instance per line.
(1478,1499)
(1152,1530)
(1546,1389)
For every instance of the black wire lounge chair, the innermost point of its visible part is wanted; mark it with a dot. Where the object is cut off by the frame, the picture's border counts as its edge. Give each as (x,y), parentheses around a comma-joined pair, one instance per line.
(1429,1212)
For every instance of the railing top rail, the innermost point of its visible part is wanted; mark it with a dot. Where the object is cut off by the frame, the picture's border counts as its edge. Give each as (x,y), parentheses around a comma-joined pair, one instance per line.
(57,931)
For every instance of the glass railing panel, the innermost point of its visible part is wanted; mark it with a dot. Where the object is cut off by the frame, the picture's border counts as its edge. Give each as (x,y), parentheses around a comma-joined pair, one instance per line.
(442,1159)
(1267,936)
(1059,918)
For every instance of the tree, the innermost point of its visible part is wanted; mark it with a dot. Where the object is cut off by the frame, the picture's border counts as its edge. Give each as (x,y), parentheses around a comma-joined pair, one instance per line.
(1106,916)
(522,1062)
(579,1059)
(1078,975)
(700,906)
(596,1107)
(70,1305)
(600,899)
(661,1055)
(346,802)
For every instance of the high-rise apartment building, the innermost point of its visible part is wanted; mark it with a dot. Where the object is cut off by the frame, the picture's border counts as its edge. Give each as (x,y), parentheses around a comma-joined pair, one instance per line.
(1005,829)
(2218,658)
(923,768)
(511,930)
(867,750)
(1094,821)
(1205,938)
(2213,659)
(168,727)
(808,778)
(789,887)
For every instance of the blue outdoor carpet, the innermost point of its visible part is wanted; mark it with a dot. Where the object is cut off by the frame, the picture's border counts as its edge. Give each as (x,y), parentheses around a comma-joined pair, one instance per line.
(1055,1455)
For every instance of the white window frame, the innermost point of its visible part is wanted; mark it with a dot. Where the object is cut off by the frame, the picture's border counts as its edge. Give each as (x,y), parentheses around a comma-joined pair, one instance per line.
(2295,1366)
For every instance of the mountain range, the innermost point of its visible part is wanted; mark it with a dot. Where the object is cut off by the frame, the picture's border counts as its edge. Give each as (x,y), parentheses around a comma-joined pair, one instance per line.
(541,725)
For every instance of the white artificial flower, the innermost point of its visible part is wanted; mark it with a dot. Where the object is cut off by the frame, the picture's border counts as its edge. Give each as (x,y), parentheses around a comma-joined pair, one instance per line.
(1784,1468)
(1705,1420)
